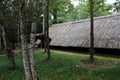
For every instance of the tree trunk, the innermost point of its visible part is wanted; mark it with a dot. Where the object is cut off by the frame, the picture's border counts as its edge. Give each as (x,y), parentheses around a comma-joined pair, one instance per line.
(18,31)
(25,56)
(55,17)
(4,37)
(32,40)
(0,40)
(46,23)
(43,31)
(45,40)
(44,28)
(10,54)
(91,32)
(11,59)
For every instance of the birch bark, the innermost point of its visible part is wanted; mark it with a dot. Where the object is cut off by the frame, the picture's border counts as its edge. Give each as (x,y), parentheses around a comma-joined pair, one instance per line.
(32,41)
(25,55)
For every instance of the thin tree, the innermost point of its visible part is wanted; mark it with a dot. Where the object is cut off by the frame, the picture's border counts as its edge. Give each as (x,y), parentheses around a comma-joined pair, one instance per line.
(32,40)
(43,28)
(0,40)
(18,32)
(25,55)
(8,49)
(91,32)
(46,24)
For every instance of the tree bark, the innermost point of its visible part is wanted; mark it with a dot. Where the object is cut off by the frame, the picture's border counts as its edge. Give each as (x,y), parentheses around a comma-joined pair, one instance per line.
(45,40)
(44,26)
(32,41)
(10,54)
(25,55)
(43,31)
(91,32)
(55,17)
(46,23)
(0,39)
(18,30)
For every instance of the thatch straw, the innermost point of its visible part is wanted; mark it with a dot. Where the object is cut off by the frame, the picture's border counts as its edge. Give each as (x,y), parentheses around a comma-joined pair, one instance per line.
(77,34)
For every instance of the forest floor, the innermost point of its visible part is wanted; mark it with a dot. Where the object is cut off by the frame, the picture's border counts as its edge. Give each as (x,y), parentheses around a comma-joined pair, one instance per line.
(64,66)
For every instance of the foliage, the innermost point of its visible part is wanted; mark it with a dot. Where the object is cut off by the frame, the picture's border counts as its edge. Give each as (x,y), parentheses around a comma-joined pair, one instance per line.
(63,66)
(82,10)
(9,19)
(117,6)
(60,10)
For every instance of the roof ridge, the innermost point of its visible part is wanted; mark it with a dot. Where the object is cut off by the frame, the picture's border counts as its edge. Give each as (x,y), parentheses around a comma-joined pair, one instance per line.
(95,18)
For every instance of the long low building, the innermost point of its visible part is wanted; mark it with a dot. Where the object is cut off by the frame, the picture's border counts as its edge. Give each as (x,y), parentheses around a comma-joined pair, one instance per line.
(77,34)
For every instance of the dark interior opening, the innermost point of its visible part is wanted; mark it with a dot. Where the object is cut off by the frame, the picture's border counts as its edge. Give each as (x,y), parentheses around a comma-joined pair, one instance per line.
(84,50)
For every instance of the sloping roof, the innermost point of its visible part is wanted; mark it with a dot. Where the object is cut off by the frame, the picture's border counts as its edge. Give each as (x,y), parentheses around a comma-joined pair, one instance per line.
(77,34)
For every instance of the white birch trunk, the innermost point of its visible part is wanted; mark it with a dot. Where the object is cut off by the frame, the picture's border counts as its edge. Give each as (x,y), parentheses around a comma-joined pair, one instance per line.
(32,52)
(32,41)
(26,62)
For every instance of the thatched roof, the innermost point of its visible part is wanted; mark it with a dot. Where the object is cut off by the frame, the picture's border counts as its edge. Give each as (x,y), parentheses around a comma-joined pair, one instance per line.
(77,34)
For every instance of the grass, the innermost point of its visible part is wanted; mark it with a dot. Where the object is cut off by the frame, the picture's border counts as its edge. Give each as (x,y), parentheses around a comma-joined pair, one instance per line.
(62,66)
